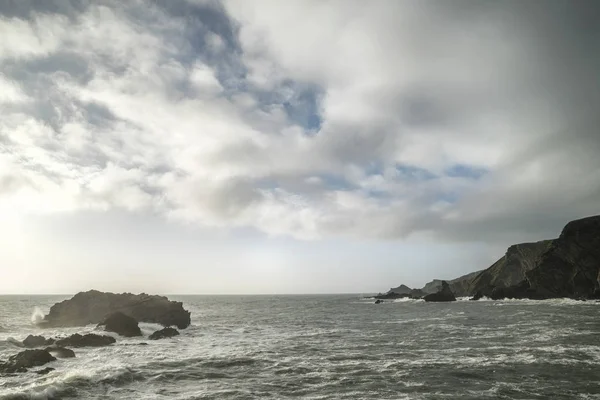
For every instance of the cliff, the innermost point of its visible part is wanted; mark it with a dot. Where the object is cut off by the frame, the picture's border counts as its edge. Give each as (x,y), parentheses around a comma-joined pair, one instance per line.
(571,265)
(510,270)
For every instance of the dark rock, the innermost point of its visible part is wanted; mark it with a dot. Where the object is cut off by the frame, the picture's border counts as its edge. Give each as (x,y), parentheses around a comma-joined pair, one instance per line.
(44,371)
(444,294)
(164,333)
(122,324)
(37,341)
(459,286)
(60,352)
(391,296)
(93,307)
(378,301)
(87,340)
(26,359)
(571,265)
(477,296)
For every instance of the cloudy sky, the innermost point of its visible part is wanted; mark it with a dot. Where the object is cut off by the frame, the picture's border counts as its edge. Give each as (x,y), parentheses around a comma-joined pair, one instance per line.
(198,146)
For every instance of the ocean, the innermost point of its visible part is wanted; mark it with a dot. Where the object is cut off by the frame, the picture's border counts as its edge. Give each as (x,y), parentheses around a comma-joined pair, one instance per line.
(327,347)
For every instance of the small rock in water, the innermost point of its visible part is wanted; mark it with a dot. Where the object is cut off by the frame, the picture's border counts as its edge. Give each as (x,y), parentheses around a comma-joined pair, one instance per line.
(26,359)
(44,371)
(60,352)
(87,340)
(122,324)
(37,341)
(164,333)
(378,301)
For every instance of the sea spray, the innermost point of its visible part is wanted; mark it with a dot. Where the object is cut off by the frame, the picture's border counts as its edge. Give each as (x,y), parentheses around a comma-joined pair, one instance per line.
(37,317)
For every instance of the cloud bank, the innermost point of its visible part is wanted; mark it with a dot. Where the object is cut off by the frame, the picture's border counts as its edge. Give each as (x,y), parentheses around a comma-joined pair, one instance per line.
(459,120)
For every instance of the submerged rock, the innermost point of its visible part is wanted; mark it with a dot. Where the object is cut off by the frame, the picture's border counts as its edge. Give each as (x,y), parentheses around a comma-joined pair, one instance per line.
(37,341)
(122,324)
(44,371)
(20,362)
(164,333)
(87,340)
(444,294)
(60,352)
(378,301)
(93,307)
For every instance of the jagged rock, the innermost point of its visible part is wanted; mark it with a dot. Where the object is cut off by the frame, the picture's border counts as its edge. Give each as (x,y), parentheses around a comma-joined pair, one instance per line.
(510,270)
(571,265)
(60,352)
(87,340)
(44,371)
(164,333)
(122,324)
(93,307)
(444,294)
(378,301)
(391,296)
(417,294)
(26,359)
(37,341)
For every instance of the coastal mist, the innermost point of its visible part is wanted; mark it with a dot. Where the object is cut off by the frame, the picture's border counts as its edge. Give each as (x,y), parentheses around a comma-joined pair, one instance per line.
(325,347)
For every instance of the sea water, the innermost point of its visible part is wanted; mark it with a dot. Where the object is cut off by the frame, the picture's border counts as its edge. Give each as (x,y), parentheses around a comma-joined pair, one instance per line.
(326,347)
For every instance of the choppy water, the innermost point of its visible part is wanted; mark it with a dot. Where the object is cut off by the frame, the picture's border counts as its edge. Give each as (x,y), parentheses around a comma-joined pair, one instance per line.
(328,347)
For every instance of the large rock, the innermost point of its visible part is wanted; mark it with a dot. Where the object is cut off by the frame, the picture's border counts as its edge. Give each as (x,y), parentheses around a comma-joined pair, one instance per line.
(510,270)
(26,359)
(402,289)
(122,324)
(37,341)
(571,265)
(93,307)
(460,286)
(87,340)
(444,294)
(60,352)
(164,333)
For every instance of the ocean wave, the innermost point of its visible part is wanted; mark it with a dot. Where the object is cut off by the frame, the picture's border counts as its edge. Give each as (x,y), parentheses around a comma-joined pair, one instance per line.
(58,386)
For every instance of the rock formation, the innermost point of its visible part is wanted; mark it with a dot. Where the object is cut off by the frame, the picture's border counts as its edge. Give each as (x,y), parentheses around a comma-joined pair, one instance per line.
(402,289)
(164,333)
(444,294)
(122,324)
(571,265)
(87,340)
(26,359)
(93,307)
(37,341)
(510,270)
(60,352)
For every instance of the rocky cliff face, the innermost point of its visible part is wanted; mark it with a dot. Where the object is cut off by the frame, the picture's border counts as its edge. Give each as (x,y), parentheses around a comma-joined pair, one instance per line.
(571,265)
(93,307)
(510,270)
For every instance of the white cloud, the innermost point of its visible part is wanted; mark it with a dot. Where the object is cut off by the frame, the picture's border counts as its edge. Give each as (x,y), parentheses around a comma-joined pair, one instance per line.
(168,114)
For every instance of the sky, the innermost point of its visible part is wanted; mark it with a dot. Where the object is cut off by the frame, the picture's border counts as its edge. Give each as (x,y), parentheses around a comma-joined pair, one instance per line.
(298,146)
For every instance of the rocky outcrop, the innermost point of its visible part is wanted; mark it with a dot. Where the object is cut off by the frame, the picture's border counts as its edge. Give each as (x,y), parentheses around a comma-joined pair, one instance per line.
(510,270)
(444,294)
(26,359)
(571,265)
(122,324)
(93,307)
(402,289)
(60,352)
(44,371)
(37,341)
(460,286)
(87,340)
(164,333)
